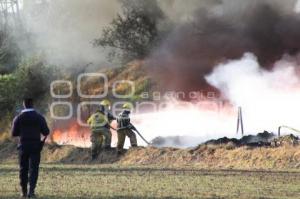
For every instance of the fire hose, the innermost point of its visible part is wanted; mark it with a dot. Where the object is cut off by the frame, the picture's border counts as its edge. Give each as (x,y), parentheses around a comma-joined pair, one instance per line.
(287,127)
(141,135)
(112,128)
(134,129)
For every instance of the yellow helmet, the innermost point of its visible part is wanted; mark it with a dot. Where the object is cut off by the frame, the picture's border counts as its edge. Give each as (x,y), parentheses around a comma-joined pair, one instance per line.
(127,106)
(105,102)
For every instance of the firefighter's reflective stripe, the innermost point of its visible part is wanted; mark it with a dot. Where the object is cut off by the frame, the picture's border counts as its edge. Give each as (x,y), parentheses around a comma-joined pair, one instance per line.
(97,121)
(123,120)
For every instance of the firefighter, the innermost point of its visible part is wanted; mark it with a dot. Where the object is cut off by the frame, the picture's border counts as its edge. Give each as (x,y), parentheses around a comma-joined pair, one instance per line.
(99,125)
(125,128)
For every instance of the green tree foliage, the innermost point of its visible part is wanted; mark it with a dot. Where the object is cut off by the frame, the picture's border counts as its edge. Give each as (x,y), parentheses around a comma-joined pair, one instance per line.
(8,93)
(8,96)
(33,80)
(9,53)
(134,32)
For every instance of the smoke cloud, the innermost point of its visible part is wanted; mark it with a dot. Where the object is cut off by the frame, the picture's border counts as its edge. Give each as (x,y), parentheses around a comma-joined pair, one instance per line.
(179,11)
(223,31)
(268,98)
(64,30)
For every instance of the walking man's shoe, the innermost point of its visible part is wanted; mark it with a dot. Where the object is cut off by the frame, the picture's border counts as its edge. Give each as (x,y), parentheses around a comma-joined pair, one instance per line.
(31,195)
(24,192)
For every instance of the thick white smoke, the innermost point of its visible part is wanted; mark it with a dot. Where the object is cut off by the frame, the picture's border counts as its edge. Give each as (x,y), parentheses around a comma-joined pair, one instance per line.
(197,122)
(268,98)
(297,7)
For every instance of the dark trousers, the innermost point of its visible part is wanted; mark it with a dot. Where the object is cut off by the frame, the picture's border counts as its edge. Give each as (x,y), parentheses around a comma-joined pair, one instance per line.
(121,138)
(29,161)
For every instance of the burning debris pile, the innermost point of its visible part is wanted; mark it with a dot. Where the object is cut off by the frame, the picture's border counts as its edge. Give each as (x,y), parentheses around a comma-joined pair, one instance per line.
(286,140)
(261,139)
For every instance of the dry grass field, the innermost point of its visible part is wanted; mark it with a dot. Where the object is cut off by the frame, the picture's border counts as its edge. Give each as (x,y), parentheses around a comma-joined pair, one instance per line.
(65,181)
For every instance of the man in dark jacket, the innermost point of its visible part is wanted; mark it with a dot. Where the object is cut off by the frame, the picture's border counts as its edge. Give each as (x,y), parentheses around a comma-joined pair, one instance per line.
(28,126)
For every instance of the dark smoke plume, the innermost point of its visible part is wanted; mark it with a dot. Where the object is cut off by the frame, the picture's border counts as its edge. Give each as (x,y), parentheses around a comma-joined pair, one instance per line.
(192,50)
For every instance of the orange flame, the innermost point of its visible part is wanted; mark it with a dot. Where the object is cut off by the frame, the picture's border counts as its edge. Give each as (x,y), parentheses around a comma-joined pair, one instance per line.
(76,135)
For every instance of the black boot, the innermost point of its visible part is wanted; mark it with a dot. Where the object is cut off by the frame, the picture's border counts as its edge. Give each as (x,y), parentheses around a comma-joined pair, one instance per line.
(119,152)
(108,148)
(31,194)
(24,192)
(94,156)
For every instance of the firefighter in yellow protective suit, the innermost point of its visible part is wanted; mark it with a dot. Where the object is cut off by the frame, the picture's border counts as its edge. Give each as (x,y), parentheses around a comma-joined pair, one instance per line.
(125,128)
(99,125)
